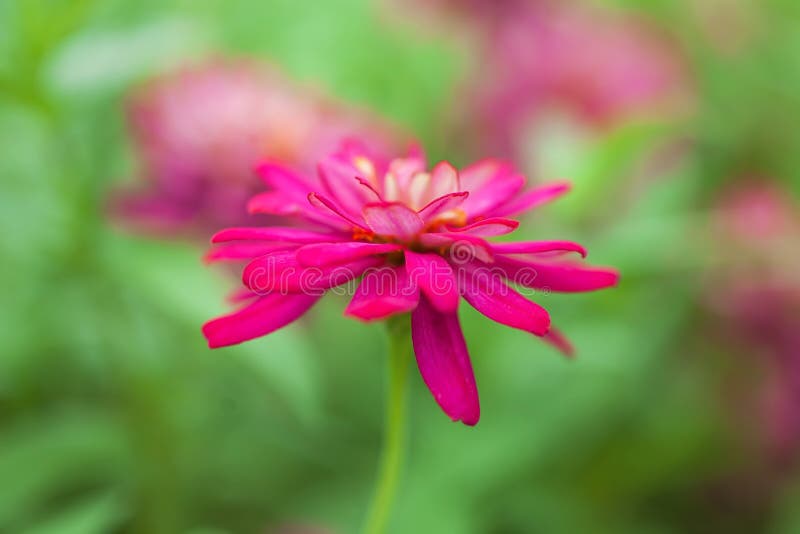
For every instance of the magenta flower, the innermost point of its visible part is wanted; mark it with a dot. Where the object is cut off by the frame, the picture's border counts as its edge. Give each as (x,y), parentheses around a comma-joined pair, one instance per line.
(754,292)
(541,57)
(198,133)
(417,241)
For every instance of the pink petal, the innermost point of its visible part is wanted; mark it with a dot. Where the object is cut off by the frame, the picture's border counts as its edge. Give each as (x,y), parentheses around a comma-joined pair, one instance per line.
(320,254)
(555,338)
(260,318)
(281,178)
(393,219)
(241,295)
(371,188)
(442,204)
(538,247)
(444,363)
(487,293)
(243,251)
(475,176)
(340,180)
(460,248)
(563,277)
(382,293)
(294,189)
(488,227)
(273,203)
(400,174)
(497,192)
(444,180)
(435,278)
(534,198)
(417,153)
(281,272)
(275,233)
(325,205)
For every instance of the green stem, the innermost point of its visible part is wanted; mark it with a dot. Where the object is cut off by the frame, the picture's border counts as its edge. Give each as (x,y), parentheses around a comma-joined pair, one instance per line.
(394,430)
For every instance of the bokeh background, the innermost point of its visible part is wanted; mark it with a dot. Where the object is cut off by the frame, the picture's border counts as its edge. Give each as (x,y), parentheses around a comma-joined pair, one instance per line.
(677,122)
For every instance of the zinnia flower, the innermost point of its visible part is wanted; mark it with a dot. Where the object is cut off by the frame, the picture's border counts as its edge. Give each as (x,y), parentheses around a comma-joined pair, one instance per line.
(754,291)
(416,239)
(539,58)
(199,131)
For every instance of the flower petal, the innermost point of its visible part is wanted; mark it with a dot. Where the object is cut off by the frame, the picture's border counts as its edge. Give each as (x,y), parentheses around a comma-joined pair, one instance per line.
(278,177)
(326,205)
(444,363)
(488,227)
(294,189)
(281,272)
(460,247)
(243,251)
(494,194)
(555,338)
(534,198)
(444,180)
(320,254)
(383,292)
(264,316)
(538,247)
(393,219)
(341,182)
(273,203)
(487,293)
(563,277)
(473,177)
(275,233)
(435,278)
(442,204)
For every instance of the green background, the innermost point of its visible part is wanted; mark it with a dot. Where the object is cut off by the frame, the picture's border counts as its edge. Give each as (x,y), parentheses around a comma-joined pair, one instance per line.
(115,417)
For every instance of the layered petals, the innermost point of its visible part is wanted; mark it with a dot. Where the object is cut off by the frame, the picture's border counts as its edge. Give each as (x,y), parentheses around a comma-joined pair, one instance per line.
(444,363)
(382,293)
(329,207)
(435,278)
(461,248)
(408,241)
(442,205)
(393,218)
(534,198)
(281,272)
(321,254)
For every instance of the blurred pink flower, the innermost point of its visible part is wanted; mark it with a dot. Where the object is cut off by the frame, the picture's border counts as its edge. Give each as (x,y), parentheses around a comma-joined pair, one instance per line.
(755,291)
(416,239)
(540,56)
(199,132)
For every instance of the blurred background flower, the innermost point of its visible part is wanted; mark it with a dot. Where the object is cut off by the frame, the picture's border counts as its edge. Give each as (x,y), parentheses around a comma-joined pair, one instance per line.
(675,121)
(200,131)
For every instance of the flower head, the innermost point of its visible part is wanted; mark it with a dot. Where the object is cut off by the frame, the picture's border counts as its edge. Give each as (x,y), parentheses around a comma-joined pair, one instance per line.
(542,58)
(754,293)
(417,241)
(199,132)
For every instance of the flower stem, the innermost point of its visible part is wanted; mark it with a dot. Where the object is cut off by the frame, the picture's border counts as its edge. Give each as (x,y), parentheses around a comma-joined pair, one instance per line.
(400,350)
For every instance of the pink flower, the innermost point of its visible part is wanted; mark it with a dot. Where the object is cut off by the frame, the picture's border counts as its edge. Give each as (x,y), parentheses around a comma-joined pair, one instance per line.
(199,132)
(417,240)
(540,57)
(754,290)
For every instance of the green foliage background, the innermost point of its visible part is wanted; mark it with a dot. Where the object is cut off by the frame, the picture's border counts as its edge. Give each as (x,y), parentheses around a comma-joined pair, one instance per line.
(115,417)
